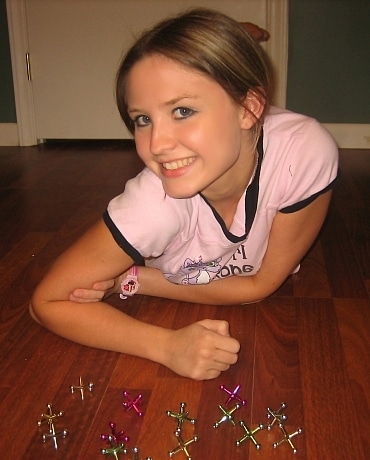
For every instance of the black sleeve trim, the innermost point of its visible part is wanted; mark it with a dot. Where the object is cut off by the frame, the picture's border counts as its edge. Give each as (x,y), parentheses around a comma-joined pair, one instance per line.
(121,240)
(302,204)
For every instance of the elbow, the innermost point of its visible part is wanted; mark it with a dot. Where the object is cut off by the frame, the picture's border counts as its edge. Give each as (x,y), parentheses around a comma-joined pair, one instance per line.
(32,311)
(38,309)
(255,301)
(261,290)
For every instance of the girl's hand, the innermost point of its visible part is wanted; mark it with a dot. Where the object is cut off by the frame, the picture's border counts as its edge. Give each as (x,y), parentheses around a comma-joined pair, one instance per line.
(100,290)
(202,350)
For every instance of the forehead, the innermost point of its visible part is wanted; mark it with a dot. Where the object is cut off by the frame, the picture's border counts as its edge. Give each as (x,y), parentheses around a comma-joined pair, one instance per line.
(158,75)
(159,63)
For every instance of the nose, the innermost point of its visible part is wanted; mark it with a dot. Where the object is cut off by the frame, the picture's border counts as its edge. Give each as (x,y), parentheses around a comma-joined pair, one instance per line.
(162,138)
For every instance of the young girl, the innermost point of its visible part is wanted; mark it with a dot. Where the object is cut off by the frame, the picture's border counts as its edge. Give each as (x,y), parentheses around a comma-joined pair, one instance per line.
(233,194)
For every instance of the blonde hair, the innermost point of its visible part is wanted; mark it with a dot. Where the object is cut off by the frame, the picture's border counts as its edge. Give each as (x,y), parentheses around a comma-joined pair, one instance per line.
(210,43)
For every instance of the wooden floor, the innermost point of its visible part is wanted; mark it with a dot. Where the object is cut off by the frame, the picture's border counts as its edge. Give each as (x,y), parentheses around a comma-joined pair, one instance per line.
(308,345)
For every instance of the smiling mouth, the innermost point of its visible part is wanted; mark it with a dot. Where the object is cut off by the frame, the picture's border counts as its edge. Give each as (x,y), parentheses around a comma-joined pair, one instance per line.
(178,164)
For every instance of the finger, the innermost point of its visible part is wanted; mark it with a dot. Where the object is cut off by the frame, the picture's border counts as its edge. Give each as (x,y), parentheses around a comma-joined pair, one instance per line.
(227,344)
(216,370)
(212,374)
(103,285)
(219,326)
(206,375)
(224,358)
(73,298)
(87,294)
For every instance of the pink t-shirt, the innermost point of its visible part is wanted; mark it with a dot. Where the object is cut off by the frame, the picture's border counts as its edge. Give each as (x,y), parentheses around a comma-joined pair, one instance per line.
(187,240)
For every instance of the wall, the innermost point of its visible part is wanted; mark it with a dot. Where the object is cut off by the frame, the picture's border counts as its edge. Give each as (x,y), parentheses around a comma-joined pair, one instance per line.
(329,60)
(328,68)
(7,103)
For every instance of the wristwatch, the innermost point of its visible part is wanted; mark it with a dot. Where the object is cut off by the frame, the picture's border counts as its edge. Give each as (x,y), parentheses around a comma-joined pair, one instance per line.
(130,284)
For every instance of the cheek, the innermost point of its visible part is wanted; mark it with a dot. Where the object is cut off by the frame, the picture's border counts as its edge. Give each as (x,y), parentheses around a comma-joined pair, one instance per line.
(198,136)
(142,146)
(223,138)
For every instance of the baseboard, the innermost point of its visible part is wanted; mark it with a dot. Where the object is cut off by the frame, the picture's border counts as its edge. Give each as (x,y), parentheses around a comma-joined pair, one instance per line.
(350,136)
(9,135)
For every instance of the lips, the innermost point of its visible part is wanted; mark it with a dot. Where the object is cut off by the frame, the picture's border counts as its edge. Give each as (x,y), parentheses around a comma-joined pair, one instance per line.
(173,165)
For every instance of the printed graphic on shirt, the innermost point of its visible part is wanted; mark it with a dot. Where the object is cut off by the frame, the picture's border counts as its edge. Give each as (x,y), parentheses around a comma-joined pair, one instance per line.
(236,265)
(196,271)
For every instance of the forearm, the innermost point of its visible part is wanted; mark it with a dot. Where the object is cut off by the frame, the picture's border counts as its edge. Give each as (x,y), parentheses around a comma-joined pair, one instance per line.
(100,325)
(200,350)
(226,291)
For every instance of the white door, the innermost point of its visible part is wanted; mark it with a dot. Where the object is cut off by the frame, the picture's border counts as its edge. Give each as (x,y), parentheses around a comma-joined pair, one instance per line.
(75,47)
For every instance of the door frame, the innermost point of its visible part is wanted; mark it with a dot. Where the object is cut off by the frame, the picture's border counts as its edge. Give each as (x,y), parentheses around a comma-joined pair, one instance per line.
(18,38)
(277,46)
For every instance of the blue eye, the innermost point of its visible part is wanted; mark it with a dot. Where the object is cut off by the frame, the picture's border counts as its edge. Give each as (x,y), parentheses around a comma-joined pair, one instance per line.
(141,121)
(183,112)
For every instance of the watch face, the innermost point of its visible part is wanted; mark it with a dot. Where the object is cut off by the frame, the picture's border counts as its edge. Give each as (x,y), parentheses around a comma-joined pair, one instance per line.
(129,286)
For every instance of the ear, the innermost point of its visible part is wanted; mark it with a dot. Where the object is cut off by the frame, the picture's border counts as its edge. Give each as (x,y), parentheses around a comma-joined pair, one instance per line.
(252,108)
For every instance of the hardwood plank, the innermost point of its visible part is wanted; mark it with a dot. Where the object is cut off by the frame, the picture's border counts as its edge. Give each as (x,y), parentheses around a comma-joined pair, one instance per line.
(343,271)
(17,349)
(35,386)
(157,432)
(354,326)
(327,398)
(277,375)
(15,266)
(58,366)
(312,280)
(220,442)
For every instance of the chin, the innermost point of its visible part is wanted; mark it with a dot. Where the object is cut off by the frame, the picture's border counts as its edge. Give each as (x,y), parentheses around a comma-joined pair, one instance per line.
(180,194)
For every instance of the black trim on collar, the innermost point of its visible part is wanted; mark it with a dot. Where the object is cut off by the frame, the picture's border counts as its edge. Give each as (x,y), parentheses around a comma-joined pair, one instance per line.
(251,200)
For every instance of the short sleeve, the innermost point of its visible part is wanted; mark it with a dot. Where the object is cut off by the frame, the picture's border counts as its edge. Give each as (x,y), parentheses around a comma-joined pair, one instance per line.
(310,168)
(143,219)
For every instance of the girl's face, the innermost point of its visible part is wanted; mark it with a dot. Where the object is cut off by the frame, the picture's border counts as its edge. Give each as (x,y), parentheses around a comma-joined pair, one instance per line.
(188,130)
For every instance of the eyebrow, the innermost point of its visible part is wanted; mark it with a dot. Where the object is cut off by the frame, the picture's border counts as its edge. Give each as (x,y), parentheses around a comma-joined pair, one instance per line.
(176,100)
(169,103)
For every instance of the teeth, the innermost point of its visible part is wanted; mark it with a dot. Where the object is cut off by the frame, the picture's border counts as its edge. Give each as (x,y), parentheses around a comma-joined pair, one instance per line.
(178,164)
